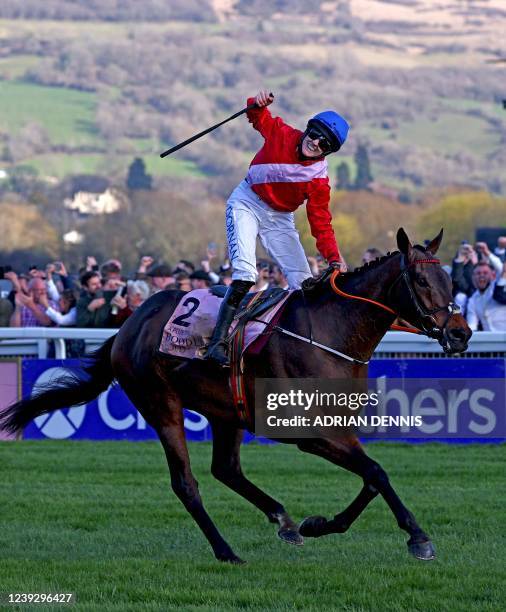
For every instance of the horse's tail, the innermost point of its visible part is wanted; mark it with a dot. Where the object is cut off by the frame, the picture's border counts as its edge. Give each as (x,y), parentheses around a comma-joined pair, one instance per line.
(70,389)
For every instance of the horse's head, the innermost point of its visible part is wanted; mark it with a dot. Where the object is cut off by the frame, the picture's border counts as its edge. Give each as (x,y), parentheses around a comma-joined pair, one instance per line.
(423,293)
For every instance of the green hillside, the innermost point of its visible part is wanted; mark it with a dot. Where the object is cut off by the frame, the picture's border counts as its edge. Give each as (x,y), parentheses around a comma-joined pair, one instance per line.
(85,91)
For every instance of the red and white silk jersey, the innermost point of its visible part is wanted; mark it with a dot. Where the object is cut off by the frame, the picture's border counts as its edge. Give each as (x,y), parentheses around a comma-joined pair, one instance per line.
(284,182)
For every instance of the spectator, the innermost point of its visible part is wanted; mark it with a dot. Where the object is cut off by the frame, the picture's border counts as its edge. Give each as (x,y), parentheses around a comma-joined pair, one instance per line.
(183,265)
(200,279)
(226,277)
(371,254)
(483,309)
(6,310)
(146,262)
(6,299)
(30,310)
(56,286)
(485,255)
(277,278)
(206,267)
(462,274)
(161,278)
(500,249)
(91,264)
(499,294)
(111,276)
(115,263)
(138,292)
(263,273)
(183,282)
(66,316)
(94,305)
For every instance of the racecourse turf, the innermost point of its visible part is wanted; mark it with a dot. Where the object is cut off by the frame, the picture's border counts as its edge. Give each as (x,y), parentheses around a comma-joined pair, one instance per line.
(100,520)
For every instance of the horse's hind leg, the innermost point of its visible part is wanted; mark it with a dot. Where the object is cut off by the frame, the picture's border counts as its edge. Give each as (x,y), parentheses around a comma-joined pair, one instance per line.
(348,454)
(226,467)
(171,433)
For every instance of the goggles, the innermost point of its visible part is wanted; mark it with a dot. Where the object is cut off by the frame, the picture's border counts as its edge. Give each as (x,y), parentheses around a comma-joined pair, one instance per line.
(324,145)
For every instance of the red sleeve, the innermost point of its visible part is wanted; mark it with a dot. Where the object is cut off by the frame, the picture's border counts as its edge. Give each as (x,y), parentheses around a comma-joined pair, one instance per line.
(320,220)
(262,119)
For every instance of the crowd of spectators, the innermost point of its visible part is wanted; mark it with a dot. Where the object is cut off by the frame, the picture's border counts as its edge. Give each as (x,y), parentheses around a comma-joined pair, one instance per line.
(479,283)
(104,296)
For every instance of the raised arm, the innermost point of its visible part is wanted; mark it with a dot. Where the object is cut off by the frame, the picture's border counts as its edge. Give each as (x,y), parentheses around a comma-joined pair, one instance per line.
(260,117)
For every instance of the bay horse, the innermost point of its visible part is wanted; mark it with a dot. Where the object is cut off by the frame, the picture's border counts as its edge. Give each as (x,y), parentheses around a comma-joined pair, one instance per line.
(410,284)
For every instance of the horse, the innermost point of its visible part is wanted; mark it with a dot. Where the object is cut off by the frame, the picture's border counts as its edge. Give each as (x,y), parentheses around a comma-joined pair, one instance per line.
(322,329)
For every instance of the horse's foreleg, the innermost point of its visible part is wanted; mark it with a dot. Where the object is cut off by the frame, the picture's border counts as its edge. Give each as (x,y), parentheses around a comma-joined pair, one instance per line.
(226,467)
(171,434)
(316,526)
(419,544)
(348,453)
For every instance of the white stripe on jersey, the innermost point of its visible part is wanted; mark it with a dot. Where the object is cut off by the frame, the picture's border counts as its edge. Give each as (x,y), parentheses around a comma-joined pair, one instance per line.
(286,173)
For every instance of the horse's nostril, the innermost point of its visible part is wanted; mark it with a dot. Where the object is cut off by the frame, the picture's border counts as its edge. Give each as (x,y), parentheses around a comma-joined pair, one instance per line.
(458,334)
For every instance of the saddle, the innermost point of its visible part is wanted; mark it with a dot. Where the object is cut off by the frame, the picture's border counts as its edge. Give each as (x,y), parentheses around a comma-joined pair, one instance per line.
(192,322)
(255,305)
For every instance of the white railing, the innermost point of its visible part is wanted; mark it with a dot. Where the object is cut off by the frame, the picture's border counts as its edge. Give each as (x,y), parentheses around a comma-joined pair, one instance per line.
(33,342)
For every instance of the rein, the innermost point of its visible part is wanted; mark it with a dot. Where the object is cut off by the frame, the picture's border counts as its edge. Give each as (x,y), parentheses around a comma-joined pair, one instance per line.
(411,330)
(434,332)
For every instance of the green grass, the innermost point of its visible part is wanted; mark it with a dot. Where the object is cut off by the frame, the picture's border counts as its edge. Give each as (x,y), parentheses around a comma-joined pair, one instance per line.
(68,116)
(15,66)
(60,165)
(451,133)
(100,520)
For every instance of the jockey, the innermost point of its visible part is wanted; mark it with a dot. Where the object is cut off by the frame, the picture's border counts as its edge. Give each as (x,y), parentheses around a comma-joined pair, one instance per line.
(289,169)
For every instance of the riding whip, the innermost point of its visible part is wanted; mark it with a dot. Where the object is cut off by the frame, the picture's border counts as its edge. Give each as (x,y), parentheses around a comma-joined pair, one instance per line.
(200,134)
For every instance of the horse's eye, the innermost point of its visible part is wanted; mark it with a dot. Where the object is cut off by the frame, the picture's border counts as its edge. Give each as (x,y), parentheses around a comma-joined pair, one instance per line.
(420,280)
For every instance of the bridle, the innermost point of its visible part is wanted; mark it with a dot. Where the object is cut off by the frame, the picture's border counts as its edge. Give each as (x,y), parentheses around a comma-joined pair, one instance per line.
(428,324)
(427,320)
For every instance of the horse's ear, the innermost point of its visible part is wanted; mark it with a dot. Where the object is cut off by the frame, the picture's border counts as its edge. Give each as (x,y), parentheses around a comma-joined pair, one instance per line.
(403,243)
(434,245)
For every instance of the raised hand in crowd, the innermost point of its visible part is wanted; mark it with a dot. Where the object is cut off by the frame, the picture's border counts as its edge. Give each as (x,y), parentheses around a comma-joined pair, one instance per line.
(119,301)
(34,272)
(60,268)
(482,250)
(22,299)
(91,263)
(50,270)
(16,283)
(500,250)
(465,254)
(146,262)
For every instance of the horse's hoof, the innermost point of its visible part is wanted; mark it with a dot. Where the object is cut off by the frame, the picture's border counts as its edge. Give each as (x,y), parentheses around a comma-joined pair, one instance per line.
(234,560)
(291,536)
(313,526)
(422,550)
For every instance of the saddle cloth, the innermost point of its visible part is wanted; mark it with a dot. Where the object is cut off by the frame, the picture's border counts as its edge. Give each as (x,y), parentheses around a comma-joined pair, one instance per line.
(192,323)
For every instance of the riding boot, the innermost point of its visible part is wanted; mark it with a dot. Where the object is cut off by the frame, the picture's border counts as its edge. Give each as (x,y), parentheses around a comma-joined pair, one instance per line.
(217,349)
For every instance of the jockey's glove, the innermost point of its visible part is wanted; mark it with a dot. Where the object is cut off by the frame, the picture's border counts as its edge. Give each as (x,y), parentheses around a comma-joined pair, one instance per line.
(311,283)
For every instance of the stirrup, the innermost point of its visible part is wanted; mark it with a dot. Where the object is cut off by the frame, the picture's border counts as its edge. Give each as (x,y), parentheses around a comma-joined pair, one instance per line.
(218,355)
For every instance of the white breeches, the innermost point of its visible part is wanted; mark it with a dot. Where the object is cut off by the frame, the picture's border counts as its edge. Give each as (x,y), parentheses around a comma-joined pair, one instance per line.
(247,217)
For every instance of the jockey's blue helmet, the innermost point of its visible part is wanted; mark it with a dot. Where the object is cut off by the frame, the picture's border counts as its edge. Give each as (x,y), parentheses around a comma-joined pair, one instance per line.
(334,127)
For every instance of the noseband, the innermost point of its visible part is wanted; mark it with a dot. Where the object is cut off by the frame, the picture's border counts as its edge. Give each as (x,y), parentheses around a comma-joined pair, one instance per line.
(427,320)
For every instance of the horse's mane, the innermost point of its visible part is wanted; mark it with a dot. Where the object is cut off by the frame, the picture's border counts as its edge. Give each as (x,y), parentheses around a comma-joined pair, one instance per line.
(370,265)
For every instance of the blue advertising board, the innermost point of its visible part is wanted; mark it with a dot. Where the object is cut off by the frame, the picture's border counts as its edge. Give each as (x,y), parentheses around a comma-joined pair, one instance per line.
(113,417)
